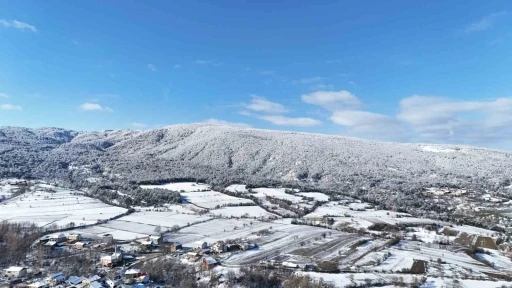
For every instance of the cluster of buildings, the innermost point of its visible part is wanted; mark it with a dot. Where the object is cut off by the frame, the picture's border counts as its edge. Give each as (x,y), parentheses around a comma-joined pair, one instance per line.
(132,278)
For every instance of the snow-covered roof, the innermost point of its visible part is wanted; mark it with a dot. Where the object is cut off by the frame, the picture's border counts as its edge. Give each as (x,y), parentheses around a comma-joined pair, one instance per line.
(94,278)
(51,243)
(95,284)
(210,260)
(132,271)
(15,269)
(177,243)
(75,280)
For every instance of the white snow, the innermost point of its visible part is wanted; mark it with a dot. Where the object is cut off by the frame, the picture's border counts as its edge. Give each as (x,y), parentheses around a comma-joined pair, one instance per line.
(317,195)
(180,186)
(245,211)
(212,199)
(60,208)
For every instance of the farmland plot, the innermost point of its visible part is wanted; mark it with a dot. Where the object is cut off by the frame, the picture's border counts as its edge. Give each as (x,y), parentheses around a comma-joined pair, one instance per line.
(60,207)
(290,238)
(276,193)
(143,223)
(242,211)
(212,199)
(180,186)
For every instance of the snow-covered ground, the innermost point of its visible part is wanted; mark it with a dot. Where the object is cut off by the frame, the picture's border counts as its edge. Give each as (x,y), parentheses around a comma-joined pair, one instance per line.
(180,186)
(212,199)
(346,279)
(245,211)
(277,193)
(433,282)
(61,207)
(316,195)
(498,261)
(237,188)
(473,230)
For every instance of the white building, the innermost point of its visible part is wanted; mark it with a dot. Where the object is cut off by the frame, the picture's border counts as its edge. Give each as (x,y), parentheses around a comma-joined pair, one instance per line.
(16,271)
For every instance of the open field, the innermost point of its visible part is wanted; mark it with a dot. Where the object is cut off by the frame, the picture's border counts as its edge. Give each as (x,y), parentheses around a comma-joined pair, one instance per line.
(144,223)
(242,211)
(180,186)
(60,207)
(212,199)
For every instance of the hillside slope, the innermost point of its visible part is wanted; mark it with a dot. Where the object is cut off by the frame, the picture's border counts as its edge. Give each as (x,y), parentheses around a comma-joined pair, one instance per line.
(225,154)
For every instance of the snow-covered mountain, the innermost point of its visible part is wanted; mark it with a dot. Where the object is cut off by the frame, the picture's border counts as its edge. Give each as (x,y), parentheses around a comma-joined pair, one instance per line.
(225,154)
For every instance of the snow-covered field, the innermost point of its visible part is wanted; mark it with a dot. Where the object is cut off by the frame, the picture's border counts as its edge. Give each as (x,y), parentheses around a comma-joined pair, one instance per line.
(237,188)
(316,195)
(180,186)
(433,282)
(212,199)
(346,279)
(61,207)
(473,230)
(242,211)
(142,223)
(277,193)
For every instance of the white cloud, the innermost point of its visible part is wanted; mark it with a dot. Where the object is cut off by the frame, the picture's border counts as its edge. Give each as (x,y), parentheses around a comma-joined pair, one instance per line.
(139,125)
(17,25)
(152,67)
(353,83)
(458,121)
(290,121)
(331,100)
(10,107)
(485,23)
(260,104)
(177,66)
(226,123)
(94,107)
(310,80)
(3,95)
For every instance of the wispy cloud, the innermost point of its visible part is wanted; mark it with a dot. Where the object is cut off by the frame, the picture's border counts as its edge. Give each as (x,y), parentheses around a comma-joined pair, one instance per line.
(17,25)
(3,95)
(353,83)
(226,123)
(260,104)
(152,67)
(331,100)
(485,23)
(291,121)
(10,107)
(90,107)
(138,125)
(177,66)
(310,80)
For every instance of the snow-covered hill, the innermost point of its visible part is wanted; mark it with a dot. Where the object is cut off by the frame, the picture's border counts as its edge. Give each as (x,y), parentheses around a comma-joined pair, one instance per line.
(229,154)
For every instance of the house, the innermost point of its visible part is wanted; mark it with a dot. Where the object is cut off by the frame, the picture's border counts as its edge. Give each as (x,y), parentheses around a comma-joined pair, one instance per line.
(209,263)
(193,255)
(39,284)
(75,280)
(175,246)
(111,260)
(58,238)
(200,245)
(147,244)
(80,245)
(91,279)
(16,272)
(75,237)
(135,276)
(107,239)
(156,239)
(219,247)
(94,284)
(55,279)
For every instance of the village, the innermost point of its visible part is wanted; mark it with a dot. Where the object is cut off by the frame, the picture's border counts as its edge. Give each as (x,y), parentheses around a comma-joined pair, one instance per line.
(337,242)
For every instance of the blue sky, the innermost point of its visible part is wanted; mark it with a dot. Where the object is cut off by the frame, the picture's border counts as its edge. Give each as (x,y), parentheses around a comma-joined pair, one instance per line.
(413,71)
